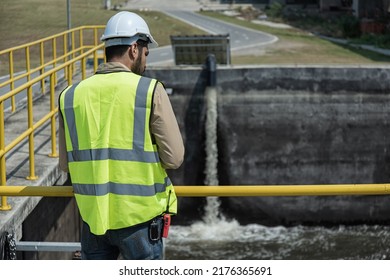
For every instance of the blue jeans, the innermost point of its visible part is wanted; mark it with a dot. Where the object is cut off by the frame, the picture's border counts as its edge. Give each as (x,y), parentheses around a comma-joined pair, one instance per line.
(133,243)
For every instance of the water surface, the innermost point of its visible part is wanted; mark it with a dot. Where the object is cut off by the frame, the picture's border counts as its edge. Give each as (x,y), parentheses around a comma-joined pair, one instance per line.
(230,240)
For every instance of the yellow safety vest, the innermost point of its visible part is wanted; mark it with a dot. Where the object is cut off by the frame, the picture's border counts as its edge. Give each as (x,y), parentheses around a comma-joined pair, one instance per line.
(114,165)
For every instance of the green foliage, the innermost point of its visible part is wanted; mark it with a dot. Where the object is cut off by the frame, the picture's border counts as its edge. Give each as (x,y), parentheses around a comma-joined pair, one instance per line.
(350,26)
(275,10)
(379,40)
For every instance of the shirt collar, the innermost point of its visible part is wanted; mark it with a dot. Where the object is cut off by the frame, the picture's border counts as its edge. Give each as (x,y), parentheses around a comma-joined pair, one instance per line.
(110,67)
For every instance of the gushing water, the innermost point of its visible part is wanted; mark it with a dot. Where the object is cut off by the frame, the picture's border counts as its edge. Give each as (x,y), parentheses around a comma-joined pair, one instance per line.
(211,169)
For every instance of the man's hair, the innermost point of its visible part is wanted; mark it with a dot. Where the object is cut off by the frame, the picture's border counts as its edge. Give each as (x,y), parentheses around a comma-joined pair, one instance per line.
(119,50)
(115,51)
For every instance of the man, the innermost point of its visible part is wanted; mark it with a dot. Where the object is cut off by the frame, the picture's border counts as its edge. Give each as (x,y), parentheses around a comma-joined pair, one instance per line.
(118,134)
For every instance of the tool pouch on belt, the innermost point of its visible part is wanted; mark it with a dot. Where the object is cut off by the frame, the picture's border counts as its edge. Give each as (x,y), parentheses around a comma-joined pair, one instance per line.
(155,229)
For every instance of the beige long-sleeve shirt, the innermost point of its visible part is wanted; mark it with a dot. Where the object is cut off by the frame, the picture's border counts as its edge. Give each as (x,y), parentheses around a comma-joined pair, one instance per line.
(163,126)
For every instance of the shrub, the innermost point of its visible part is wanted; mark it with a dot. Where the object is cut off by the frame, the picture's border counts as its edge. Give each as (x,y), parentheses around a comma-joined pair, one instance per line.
(350,26)
(275,10)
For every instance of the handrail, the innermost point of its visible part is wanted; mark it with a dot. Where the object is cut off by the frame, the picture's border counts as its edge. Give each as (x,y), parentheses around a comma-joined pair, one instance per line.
(48,73)
(224,191)
(43,66)
(68,49)
(70,58)
(195,191)
(43,40)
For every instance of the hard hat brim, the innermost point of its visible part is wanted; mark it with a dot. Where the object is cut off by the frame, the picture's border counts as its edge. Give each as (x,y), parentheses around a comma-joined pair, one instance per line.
(127,41)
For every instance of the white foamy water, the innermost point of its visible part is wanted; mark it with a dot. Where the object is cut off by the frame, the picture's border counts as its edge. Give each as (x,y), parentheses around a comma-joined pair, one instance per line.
(230,240)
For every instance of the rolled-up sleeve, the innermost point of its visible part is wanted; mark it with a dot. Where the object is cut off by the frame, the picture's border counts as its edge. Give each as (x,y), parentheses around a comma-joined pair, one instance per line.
(165,129)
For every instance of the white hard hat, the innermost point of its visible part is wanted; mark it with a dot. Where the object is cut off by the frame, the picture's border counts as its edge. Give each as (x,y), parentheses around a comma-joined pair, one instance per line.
(125,28)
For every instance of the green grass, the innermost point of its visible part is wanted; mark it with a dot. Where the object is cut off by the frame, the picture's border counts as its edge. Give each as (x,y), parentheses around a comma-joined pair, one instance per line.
(297,46)
(25,21)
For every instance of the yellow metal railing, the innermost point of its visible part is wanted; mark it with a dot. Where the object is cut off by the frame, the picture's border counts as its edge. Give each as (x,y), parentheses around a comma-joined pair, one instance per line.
(72,55)
(244,190)
(36,56)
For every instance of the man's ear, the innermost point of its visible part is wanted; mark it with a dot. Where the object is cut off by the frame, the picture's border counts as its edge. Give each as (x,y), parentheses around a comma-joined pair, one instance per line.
(133,50)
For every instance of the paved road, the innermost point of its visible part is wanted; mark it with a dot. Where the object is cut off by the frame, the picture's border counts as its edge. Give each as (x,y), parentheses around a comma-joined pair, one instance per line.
(167,5)
(241,38)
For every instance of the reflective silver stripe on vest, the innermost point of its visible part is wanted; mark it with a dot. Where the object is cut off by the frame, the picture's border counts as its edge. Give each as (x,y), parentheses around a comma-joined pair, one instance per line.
(114,154)
(140,112)
(70,116)
(120,189)
(137,154)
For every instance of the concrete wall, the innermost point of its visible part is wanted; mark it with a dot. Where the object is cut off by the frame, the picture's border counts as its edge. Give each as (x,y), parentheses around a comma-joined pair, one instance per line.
(305,126)
(288,125)
(54,219)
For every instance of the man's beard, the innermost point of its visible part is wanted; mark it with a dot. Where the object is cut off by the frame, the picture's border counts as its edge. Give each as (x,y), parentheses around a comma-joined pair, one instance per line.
(137,66)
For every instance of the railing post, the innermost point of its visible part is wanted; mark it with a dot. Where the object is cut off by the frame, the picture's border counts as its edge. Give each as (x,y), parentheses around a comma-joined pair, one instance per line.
(65,49)
(53,119)
(70,74)
(11,76)
(81,39)
(95,35)
(28,65)
(31,134)
(83,61)
(73,54)
(95,61)
(30,119)
(83,68)
(54,47)
(42,59)
(3,177)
